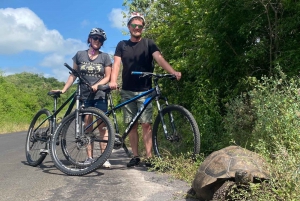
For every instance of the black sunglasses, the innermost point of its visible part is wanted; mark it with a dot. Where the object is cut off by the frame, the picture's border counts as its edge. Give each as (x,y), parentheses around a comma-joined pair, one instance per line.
(137,25)
(97,38)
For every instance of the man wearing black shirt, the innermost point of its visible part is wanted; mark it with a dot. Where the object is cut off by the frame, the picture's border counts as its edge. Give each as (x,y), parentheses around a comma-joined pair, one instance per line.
(137,54)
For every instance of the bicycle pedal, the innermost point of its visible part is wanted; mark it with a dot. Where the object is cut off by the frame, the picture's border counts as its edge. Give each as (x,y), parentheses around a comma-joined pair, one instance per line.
(44,151)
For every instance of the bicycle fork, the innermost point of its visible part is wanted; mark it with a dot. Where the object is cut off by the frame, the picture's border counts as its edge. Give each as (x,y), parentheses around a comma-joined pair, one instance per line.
(168,135)
(118,139)
(49,137)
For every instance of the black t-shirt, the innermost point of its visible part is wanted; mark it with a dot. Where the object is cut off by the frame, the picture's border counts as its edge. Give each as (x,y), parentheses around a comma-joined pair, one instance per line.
(136,56)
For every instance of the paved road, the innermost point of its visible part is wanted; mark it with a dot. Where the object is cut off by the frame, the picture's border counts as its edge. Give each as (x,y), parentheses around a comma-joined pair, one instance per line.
(21,182)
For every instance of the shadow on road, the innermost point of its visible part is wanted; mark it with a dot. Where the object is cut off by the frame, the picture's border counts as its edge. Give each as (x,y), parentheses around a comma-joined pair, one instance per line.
(118,160)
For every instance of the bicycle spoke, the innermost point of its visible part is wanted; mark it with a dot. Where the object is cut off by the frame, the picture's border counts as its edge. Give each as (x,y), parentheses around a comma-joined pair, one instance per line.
(182,133)
(37,137)
(94,141)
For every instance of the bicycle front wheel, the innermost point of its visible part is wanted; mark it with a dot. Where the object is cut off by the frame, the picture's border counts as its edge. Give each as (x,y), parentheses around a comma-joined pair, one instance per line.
(175,132)
(37,137)
(81,153)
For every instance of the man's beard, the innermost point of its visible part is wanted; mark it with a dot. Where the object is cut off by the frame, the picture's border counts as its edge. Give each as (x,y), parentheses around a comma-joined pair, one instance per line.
(135,36)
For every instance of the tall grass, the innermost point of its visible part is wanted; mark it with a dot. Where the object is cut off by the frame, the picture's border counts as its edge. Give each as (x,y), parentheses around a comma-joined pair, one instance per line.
(266,120)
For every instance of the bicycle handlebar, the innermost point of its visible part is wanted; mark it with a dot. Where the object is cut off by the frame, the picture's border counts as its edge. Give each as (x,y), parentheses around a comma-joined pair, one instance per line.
(72,70)
(103,87)
(106,87)
(77,74)
(157,75)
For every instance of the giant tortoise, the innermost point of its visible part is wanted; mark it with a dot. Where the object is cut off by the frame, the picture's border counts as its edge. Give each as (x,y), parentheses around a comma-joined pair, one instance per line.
(232,163)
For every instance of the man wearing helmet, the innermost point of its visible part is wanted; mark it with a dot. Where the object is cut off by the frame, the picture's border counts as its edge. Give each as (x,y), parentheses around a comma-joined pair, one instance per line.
(137,54)
(95,67)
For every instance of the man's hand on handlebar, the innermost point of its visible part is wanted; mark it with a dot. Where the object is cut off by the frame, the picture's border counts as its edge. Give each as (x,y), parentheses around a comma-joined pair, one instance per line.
(177,74)
(113,85)
(58,90)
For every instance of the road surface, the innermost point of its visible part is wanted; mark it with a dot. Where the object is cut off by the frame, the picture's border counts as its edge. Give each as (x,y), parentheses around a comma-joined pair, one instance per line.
(21,182)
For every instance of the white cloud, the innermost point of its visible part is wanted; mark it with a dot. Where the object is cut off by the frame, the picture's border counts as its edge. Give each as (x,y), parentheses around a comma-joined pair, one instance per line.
(85,23)
(10,71)
(53,60)
(116,17)
(21,30)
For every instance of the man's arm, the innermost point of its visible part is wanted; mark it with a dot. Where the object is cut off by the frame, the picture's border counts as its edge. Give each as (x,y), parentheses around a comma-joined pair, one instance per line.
(165,65)
(115,72)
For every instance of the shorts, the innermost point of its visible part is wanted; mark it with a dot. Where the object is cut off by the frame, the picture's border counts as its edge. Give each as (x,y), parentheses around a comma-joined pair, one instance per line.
(130,110)
(98,103)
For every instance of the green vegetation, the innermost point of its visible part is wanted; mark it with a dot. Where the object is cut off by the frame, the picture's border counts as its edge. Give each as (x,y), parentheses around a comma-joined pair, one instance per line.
(22,95)
(239,62)
(266,119)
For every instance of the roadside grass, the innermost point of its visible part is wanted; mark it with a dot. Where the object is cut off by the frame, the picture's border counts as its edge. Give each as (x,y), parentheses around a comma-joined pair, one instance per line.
(182,167)
(10,127)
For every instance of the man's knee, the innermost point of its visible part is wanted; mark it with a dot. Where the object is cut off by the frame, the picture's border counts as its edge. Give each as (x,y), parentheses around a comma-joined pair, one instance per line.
(146,126)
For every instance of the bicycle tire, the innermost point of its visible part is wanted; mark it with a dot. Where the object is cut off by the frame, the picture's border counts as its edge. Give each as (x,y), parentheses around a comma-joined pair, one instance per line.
(185,139)
(37,137)
(68,153)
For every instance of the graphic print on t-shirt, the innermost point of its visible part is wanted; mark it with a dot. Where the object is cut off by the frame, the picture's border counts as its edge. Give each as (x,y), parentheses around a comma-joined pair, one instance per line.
(91,69)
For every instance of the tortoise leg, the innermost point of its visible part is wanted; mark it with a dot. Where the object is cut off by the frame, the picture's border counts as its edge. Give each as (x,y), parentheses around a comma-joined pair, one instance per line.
(221,193)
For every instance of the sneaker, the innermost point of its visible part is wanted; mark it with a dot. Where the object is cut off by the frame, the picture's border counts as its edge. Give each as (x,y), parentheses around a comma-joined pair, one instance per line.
(88,161)
(134,161)
(44,151)
(148,163)
(106,164)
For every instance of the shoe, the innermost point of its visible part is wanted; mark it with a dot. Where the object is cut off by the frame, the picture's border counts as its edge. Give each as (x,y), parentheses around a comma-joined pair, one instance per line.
(106,164)
(134,161)
(44,151)
(118,143)
(88,161)
(148,162)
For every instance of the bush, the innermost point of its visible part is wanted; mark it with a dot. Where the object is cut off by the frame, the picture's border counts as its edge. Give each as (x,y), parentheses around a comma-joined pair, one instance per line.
(27,94)
(266,120)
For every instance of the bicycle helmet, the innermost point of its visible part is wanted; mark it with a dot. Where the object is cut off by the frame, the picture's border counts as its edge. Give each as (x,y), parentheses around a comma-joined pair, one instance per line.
(99,32)
(136,14)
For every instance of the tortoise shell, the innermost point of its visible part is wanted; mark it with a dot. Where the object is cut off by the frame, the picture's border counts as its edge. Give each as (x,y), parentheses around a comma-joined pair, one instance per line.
(220,166)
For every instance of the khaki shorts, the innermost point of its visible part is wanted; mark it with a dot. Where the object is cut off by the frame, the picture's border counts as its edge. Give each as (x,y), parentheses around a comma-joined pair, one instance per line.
(130,110)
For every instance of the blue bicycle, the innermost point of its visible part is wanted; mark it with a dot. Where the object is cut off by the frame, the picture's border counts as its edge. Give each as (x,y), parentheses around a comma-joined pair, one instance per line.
(175,131)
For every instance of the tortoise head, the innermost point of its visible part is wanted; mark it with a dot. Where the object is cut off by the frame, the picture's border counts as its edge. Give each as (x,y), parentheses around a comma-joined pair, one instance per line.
(243,177)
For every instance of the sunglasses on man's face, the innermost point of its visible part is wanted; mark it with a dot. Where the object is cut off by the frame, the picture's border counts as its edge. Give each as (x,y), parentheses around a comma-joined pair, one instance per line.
(137,25)
(97,38)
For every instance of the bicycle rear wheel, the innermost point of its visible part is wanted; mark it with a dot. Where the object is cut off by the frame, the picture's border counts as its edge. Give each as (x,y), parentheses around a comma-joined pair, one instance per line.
(37,137)
(70,153)
(183,136)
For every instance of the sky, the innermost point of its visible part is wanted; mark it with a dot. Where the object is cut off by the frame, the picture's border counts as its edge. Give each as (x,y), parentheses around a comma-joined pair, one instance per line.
(39,36)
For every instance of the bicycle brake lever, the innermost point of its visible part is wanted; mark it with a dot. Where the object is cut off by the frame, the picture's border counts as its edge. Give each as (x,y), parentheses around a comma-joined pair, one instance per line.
(173,77)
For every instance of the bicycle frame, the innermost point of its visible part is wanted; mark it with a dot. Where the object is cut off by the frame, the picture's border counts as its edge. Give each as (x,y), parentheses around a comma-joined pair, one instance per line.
(75,97)
(56,111)
(45,123)
(154,94)
(75,100)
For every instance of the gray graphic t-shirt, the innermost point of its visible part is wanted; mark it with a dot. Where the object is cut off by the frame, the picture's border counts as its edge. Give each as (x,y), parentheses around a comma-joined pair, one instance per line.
(93,71)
